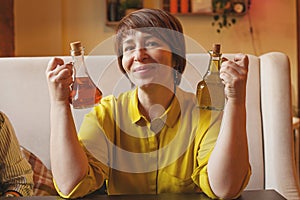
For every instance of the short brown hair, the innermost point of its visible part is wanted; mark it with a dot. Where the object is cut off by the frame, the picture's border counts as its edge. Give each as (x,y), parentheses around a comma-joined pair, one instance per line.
(162,25)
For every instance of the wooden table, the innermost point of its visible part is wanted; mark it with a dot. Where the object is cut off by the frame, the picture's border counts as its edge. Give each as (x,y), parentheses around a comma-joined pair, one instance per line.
(246,195)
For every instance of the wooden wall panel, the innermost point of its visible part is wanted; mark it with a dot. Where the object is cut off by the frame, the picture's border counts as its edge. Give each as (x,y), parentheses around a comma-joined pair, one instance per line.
(6,28)
(298,52)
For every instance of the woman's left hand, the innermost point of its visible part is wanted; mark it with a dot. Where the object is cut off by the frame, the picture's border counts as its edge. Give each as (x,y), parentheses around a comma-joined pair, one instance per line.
(234,75)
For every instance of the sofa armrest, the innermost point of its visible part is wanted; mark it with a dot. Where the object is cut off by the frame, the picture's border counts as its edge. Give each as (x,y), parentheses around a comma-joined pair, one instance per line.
(280,169)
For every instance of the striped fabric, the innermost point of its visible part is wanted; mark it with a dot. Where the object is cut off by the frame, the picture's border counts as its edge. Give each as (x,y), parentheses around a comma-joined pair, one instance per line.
(15,172)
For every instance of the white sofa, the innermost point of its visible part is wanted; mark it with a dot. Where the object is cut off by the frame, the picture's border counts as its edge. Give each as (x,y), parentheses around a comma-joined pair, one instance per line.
(24,98)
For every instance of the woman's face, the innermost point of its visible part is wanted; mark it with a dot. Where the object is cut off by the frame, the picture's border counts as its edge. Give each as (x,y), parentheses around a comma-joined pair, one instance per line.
(147,60)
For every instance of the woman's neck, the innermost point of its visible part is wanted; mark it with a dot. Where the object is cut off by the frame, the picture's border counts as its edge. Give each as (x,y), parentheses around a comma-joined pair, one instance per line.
(154,100)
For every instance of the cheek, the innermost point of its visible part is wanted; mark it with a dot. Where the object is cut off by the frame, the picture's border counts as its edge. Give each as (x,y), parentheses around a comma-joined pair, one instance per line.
(126,64)
(166,58)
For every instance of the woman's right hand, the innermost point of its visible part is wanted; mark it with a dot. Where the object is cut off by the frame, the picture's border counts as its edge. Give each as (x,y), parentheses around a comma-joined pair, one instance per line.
(60,78)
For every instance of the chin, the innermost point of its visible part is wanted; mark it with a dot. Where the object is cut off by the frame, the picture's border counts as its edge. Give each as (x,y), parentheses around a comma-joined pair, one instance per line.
(148,82)
(142,82)
(143,85)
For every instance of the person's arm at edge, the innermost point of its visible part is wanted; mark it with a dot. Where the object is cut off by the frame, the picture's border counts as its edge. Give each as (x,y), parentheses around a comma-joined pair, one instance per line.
(17,171)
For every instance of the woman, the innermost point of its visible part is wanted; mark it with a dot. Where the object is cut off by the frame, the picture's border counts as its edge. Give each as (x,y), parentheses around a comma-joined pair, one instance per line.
(152,139)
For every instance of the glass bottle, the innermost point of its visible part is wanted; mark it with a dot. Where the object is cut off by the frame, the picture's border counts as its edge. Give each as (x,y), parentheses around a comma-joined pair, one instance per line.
(210,91)
(84,92)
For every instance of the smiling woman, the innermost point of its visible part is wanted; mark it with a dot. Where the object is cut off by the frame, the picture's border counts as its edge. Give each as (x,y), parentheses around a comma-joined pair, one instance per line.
(153,138)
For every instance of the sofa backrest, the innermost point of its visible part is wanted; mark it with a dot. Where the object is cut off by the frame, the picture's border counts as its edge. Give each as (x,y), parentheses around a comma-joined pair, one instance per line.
(25,99)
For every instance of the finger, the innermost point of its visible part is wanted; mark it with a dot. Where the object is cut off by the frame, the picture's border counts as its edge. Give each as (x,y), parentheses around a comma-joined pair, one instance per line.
(241,59)
(59,68)
(64,74)
(232,72)
(226,78)
(239,56)
(53,63)
(69,67)
(62,80)
(66,83)
(233,67)
(223,59)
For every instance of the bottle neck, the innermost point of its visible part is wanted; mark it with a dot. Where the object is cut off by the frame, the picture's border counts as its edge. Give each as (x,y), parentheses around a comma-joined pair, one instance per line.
(78,55)
(79,64)
(215,62)
(78,59)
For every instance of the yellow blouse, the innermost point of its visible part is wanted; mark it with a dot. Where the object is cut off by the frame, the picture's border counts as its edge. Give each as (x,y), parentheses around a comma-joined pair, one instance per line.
(135,156)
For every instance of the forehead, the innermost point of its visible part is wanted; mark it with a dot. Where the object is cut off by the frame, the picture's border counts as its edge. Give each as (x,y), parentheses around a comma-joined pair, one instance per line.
(136,35)
(162,35)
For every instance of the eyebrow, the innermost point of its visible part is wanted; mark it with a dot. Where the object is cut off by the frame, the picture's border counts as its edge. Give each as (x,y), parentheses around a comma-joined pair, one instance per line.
(129,40)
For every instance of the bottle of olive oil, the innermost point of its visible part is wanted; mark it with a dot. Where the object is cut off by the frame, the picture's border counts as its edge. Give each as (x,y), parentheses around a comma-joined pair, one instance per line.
(210,91)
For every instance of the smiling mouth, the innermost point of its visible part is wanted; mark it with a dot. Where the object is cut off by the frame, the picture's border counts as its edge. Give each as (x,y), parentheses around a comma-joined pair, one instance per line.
(144,68)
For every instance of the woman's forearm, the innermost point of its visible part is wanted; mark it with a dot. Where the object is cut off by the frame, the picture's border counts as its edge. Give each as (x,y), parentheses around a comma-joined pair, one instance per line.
(68,160)
(229,161)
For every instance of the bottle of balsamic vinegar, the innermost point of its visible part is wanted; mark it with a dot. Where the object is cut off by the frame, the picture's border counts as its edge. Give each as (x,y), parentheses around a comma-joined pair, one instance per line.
(84,93)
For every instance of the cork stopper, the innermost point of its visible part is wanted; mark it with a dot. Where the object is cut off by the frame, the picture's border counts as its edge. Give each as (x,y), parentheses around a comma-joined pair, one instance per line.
(217,48)
(76,48)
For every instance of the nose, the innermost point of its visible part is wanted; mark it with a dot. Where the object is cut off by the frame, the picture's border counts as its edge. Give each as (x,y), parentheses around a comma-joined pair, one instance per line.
(140,54)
